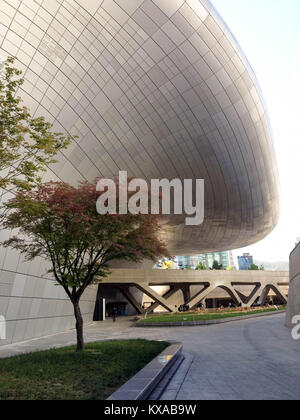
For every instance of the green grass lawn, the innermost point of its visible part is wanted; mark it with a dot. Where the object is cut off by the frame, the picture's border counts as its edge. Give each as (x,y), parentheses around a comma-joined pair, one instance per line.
(63,374)
(184,317)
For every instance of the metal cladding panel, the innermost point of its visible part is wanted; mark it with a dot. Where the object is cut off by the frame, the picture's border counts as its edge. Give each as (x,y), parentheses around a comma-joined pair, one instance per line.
(159,88)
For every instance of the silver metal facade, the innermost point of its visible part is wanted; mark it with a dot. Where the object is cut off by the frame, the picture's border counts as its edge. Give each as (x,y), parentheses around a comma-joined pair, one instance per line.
(156,87)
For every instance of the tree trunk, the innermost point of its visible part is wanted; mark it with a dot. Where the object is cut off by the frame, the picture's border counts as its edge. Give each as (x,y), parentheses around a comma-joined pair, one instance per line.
(79,326)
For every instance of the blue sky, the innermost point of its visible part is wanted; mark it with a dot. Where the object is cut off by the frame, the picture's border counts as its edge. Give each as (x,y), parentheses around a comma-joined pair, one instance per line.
(269,33)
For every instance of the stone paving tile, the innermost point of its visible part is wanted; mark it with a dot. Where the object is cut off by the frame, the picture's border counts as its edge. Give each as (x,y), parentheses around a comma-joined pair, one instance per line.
(207,396)
(169,395)
(248,359)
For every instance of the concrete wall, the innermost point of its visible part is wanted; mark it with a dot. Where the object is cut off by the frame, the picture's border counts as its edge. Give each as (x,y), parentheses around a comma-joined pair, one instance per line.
(294,292)
(171,288)
(219,293)
(31,302)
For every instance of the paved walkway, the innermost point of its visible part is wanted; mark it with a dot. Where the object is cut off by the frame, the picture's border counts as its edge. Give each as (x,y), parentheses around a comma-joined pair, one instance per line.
(249,359)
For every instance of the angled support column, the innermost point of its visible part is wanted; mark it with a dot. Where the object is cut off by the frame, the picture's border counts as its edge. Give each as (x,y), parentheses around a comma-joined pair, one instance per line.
(186,290)
(233,294)
(241,295)
(166,296)
(126,292)
(201,295)
(263,294)
(253,295)
(155,296)
(280,295)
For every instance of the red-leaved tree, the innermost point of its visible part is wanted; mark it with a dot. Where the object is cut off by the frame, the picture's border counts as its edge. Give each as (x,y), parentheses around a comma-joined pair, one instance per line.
(60,223)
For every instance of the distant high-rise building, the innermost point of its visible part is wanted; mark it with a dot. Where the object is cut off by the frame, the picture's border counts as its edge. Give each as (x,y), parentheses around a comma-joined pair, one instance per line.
(245,261)
(225,258)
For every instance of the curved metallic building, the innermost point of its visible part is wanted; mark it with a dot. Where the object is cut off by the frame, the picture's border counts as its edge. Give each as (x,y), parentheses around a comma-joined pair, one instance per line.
(156,87)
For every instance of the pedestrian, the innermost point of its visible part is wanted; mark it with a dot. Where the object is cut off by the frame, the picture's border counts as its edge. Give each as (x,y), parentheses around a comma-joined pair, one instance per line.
(114,313)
